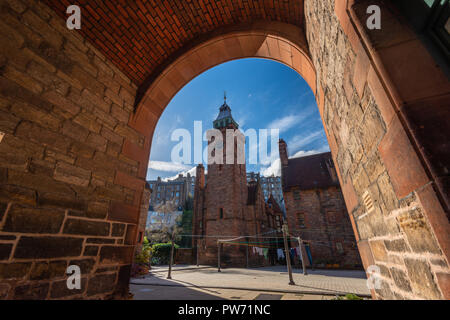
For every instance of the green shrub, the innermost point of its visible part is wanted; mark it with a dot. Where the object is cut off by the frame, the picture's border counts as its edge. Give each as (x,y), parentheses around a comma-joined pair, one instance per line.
(348,296)
(161,252)
(141,264)
(144,256)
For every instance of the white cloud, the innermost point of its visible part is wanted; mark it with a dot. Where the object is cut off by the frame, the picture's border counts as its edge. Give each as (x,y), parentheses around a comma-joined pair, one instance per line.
(167,166)
(273,169)
(192,172)
(300,141)
(303,153)
(287,122)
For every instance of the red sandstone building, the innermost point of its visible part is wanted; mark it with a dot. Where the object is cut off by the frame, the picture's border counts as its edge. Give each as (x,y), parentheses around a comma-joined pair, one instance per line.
(228,206)
(316,211)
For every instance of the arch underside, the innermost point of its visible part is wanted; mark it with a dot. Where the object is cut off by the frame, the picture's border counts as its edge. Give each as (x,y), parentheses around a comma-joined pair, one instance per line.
(268,40)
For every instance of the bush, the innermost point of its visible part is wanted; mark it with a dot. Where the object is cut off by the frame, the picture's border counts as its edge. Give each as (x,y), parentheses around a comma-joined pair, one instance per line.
(144,256)
(141,265)
(348,296)
(161,253)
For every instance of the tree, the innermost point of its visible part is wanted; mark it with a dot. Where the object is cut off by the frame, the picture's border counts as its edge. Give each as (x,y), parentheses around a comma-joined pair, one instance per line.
(185,226)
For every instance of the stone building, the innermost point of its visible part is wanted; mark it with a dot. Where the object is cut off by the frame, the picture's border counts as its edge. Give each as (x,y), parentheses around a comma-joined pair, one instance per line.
(270,185)
(228,206)
(315,210)
(177,190)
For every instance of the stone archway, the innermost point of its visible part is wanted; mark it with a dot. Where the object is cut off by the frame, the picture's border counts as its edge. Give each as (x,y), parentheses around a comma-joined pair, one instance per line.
(75,145)
(385,207)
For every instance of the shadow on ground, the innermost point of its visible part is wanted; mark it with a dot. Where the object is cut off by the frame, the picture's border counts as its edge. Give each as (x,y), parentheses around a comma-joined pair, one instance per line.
(164,291)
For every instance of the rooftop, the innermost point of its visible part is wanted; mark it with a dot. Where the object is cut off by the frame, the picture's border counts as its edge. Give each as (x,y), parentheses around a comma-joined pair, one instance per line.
(310,172)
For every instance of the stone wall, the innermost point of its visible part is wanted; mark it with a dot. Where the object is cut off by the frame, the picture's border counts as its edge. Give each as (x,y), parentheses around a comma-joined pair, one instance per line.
(185,256)
(326,223)
(143,214)
(389,208)
(68,194)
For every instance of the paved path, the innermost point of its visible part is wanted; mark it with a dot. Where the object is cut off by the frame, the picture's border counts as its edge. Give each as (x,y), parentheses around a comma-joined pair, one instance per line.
(272,280)
(149,292)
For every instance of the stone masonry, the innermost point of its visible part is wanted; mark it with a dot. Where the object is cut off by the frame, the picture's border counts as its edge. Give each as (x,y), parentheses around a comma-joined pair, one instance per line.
(226,206)
(390,225)
(316,211)
(64,113)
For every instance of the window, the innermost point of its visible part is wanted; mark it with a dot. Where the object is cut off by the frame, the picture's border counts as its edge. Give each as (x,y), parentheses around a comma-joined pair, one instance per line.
(296,195)
(221,213)
(301,220)
(177,194)
(339,247)
(159,195)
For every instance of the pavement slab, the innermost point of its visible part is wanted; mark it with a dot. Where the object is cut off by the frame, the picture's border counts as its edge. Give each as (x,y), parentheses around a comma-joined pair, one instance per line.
(272,280)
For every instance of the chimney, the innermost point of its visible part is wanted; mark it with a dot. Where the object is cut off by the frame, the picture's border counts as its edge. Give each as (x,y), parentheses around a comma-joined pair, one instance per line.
(282,146)
(200,176)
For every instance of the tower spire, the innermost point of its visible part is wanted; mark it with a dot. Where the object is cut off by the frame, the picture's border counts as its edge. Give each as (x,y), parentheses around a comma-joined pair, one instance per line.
(224,118)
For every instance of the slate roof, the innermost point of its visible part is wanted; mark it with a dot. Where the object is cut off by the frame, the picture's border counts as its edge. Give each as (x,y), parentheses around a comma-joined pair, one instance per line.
(275,206)
(224,117)
(309,172)
(224,112)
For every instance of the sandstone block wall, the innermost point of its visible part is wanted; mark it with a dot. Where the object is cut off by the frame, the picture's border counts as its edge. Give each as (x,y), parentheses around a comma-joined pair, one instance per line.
(326,224)
(143,214)
(68,193)
(390,201)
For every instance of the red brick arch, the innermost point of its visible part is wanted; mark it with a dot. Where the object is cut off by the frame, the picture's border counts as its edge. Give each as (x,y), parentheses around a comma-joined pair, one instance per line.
(275,41)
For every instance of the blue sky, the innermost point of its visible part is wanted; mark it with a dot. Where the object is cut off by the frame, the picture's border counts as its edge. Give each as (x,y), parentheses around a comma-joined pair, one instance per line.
(262,94)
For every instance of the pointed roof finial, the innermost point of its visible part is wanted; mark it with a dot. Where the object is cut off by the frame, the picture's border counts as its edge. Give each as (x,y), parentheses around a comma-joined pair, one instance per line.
(225,97)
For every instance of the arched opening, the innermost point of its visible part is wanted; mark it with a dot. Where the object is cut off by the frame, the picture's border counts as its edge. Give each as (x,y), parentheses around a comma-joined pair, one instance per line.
(298,121)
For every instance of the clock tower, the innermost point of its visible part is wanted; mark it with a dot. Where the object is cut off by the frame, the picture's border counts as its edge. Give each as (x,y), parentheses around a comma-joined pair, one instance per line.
(226,191)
